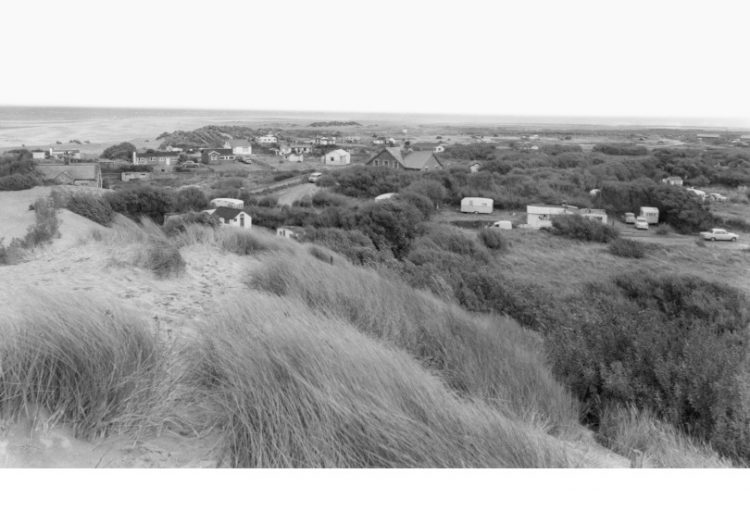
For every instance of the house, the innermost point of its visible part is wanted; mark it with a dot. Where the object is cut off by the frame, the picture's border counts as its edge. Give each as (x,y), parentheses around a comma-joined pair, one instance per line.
(352,140)
(337,157)
(538,216)
(267,139)
(161,161)
(217,156)
(474,167)
(295,158)
(594,214)
(80,174)
(239,147)
(324,141)
(233,217)
(438,149)
(130,175)
(477,205)
(282,150)
(39,154)
(290,231)
(650,214)
(65,154)
(672,180)
(395,157)
(301,147)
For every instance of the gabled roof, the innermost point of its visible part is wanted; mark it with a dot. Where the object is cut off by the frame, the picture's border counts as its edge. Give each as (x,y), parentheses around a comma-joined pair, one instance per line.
(337,151)
(83,171)
(227,152)
(411,160)
(226,213)
(238,142)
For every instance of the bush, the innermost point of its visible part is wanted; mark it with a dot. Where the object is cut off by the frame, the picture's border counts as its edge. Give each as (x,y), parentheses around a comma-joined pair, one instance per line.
(581,228)
(142,201)
(178,223)
(620,149)
(320,254)
(162,258)
(268,202)
(627,248)
(46,226)
(90,206)
(493,239)
(123,151)
(352,244)
(190,198)
(281,176)
(16,182)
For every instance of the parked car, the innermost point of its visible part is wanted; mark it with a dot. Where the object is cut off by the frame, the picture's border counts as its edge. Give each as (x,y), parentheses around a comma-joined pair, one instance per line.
(314,177)
(719,235)
(628,218)
(641,223)
(502,224)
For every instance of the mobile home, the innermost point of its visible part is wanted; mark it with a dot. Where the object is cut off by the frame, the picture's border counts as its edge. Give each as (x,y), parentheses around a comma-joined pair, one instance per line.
(477,205)
(650,214)
(221,202)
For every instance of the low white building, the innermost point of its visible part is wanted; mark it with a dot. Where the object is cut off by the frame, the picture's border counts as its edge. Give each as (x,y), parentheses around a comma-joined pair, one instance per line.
(223,202)
(239,147)
(233,217)
(438,149)
(477,205)
(672,180)
(131,175)
(540,215)
(267,139)
(39,154)
(475,167)
(337,157)
(295,158)
(288,231)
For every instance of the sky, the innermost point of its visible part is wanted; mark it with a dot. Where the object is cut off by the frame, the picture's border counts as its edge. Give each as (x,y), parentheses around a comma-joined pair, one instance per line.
(630,58)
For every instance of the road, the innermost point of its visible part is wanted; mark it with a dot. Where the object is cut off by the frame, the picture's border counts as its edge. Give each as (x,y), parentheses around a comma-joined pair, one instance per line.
(676,240)
(293,193)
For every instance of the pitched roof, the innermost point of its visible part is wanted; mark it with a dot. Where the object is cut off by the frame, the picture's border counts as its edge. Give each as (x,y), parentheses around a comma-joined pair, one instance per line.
(226,213)
(238,142)
(83,171)
(418,159)
(337,151)
(220,151)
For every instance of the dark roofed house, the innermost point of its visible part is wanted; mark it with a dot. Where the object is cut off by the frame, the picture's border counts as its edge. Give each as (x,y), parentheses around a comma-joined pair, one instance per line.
(397,158)
(80,174)
(217,156)
(160,161)
(233,216)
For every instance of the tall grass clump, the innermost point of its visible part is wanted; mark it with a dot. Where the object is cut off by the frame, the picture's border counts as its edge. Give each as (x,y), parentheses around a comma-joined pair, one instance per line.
(494,240)
(90,206)
(622,247)
(162,258)
(483,357)
(294,389)
(88,364)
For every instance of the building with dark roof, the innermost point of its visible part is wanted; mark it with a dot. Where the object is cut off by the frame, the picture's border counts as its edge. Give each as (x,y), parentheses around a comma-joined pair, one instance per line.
(397,158)
(80,174)
(233,217)
(217,156)
(160,161)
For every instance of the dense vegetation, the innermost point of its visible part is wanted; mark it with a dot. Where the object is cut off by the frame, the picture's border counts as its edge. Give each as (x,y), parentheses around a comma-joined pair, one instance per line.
(17,171)
(122,151)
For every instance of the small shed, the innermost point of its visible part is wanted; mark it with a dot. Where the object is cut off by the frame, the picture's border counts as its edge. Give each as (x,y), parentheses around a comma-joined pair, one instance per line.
(477,205)
(290,231)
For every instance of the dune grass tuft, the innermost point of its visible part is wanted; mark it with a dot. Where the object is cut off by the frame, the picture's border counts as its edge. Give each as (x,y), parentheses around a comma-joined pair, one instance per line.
(484,357)
(294,389)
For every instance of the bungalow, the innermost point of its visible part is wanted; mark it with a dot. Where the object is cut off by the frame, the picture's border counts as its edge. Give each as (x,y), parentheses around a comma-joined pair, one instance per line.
(39,154)
(282,150)
(301,147)
(295,158)
(324,141)
(672,180)
(163,161)
(239,147)
(395,157)
(267,139)
(290,231)
(65,154)
(217,156)
(233,217)
(79,174)
(337,157)
(538,216)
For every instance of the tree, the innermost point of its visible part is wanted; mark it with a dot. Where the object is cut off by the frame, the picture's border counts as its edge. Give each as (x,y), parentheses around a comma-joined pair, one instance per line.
(190,199)
(123,151)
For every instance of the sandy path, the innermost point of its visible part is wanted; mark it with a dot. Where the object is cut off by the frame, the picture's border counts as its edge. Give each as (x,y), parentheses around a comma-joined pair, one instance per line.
(294,193)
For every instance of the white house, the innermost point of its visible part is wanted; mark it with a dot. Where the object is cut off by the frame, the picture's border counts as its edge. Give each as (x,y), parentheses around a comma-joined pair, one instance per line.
(438,149)
(325,141)
(239,147)
(63,154)
(295,158)
(672,180)
(337,157)
(267,139)
(38,154)
(477,205)
(233,217)
(292,232)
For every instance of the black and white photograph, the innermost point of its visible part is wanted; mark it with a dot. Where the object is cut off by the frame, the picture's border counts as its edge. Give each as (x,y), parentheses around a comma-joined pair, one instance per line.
(441,237)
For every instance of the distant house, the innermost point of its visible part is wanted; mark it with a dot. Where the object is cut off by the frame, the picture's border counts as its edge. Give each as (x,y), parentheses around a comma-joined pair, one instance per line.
(538,216)
(395,157)
(39,154)
(233,217)
(301,147)
(438,149)
(282,150)
(324,141)
(337,157)
(217,156)
(239,147)
(79,174)
(161,161)
(352,140)
(290,231)
(65,154)
(474,167)
(267,139)
(672,180)
(294,157)
(708,137)
(227,203)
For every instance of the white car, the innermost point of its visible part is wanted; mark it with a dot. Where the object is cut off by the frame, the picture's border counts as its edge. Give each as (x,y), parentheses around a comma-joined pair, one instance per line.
(314,177)
(628,218)
(719,235)
(641,223)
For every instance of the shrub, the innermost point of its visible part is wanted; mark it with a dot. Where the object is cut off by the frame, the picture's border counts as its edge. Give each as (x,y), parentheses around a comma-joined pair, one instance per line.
(268,202)
(627,248)
(354,245)
(324,198)
(581,228)
(15,182)
(624,149)
(46,226)
(664,230)
(90,206)
(142,201)
(281,176)
(178,223)
(162,258)
(320,254)
(190,198)
(493,239)
(123,151)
